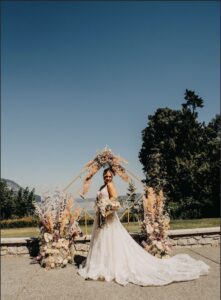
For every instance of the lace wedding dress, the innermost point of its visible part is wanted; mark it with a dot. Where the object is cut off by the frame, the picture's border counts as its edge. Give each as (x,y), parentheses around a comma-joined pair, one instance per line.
(115,255)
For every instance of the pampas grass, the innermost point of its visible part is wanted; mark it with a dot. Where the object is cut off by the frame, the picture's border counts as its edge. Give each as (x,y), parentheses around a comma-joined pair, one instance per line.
(58,227)
(156,224)
(103,159)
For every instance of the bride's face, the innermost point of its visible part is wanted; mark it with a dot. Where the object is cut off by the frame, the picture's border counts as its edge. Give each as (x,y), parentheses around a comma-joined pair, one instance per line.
(108,177)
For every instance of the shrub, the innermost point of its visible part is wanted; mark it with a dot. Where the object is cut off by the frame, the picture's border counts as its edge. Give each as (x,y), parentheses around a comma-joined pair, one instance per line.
(19,223)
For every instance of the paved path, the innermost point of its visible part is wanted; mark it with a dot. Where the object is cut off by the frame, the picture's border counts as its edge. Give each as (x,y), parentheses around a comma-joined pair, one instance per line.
(23,280)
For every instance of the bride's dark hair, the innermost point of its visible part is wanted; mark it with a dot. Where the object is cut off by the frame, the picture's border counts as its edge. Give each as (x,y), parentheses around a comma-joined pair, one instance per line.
(109,169)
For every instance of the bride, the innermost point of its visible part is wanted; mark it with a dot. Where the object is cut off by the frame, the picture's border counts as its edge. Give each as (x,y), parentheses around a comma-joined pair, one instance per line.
(115,255)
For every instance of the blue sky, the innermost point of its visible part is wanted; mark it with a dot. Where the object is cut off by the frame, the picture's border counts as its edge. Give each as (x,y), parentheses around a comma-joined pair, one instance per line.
(77,76)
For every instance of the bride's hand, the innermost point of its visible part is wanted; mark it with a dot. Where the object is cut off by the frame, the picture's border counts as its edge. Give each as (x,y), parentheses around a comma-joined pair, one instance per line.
(115,205)
(115,208)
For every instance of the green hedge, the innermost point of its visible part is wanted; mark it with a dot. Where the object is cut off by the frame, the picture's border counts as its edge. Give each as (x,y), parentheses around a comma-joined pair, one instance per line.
(89,220)
(32,222)
(19,223)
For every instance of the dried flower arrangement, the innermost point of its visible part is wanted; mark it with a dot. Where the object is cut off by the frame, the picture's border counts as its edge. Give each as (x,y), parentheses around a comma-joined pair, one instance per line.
(58,229)
(103,159)
(156,224)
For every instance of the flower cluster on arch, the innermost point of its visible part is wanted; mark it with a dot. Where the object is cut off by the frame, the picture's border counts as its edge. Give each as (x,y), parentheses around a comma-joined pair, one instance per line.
(105,158)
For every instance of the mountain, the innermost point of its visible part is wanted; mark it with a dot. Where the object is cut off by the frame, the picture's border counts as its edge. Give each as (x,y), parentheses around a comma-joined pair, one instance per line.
(88,203)
(12,185)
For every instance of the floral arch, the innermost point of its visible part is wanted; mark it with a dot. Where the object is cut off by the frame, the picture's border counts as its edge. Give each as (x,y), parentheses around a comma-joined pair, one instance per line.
(59,224)
(104,158)
(155,223)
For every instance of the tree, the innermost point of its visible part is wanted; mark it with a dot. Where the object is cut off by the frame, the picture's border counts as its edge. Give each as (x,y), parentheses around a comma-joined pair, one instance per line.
(131,191)
(212,140)
(24,202)
(131,198)
(156,175)
(192,100)
(7,201)
(187,188)
(159,149)
(179,153)
(16,204)
(30,203)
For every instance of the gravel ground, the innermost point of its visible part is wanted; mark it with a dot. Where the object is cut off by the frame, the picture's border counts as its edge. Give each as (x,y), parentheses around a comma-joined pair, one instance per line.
(22,279)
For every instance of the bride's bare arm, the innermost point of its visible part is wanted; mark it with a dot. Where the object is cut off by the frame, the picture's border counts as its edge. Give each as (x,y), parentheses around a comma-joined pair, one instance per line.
(111,190)
(113,195)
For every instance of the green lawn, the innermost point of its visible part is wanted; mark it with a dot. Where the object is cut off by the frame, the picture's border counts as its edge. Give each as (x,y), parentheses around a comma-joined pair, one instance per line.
(133,227)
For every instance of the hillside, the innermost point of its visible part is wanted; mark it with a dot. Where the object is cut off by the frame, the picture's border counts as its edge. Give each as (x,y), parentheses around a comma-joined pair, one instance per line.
(16,187)
(11,184)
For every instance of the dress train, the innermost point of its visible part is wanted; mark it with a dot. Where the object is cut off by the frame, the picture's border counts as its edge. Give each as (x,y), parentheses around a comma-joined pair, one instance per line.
(115,255)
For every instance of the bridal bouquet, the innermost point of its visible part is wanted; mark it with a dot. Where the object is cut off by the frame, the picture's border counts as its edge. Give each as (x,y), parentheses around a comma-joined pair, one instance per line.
(105,207)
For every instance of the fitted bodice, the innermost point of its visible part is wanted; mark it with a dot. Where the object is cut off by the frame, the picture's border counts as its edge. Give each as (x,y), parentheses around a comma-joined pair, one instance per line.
(101,196)
(103,193)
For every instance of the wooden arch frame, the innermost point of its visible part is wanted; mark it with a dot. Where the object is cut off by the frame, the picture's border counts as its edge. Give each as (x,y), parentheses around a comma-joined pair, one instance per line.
(104,158)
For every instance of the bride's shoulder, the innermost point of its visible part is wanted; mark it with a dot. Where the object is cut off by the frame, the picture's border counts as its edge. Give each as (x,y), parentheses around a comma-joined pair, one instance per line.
(101,188)
(110,184)
(111,188)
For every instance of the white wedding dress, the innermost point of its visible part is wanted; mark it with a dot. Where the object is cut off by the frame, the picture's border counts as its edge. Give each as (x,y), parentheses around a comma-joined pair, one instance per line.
(115,255)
